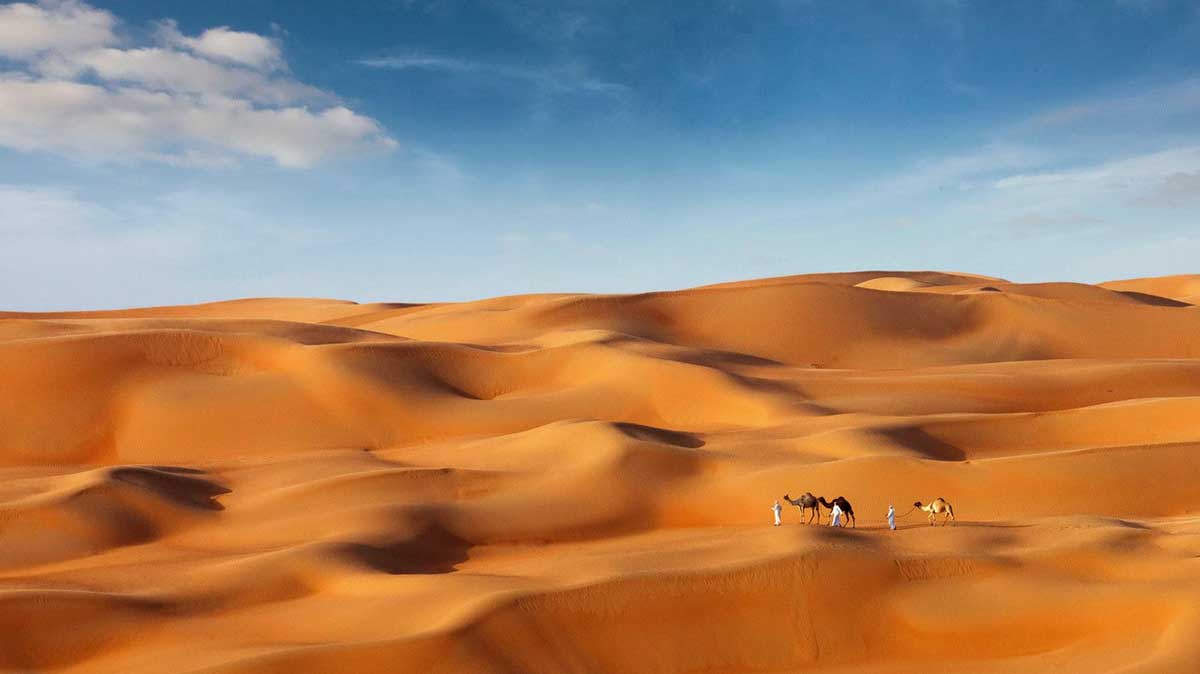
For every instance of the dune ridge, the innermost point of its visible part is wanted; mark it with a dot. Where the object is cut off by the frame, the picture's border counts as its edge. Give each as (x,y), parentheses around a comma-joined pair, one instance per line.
(582,483)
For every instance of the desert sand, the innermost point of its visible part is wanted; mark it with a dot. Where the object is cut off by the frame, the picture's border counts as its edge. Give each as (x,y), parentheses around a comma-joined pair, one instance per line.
(582,483)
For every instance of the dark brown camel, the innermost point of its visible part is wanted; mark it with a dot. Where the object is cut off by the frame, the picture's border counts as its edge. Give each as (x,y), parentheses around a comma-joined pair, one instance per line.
(842,503)
(806,500)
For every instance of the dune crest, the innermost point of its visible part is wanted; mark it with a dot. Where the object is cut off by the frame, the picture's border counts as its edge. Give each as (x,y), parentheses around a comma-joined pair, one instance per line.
(571,482)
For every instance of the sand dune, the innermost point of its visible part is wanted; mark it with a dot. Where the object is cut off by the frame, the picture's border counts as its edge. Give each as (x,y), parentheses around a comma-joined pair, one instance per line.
(582,483)
(1183,288)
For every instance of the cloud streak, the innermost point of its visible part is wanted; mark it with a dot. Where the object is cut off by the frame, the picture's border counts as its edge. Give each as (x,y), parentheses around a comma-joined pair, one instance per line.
(1171,100)
(558,80)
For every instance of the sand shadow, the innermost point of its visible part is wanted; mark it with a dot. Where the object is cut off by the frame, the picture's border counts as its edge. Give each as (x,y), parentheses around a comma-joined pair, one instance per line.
(1153,300)
(918,440)
(659,435)
(432,550)
(181,486)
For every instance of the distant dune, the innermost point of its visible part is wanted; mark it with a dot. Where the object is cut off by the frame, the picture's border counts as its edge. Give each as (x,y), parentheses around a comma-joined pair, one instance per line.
(582,483)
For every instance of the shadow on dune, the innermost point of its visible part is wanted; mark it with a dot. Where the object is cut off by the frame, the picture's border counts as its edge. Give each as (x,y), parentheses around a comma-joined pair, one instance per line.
(660,435)
(716,358)
(1127,524)
(433,549)
(918,440)
(1153,300)
(176,485)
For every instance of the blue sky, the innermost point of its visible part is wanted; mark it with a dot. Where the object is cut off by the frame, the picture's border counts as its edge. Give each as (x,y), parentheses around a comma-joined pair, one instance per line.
(419,150)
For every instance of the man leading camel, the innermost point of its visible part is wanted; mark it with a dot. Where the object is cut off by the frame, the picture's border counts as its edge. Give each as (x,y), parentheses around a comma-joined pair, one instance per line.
(835,516)
(843,505)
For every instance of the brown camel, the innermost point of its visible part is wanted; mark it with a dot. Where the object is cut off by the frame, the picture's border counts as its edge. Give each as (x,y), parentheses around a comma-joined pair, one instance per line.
(806,500)
(940,506)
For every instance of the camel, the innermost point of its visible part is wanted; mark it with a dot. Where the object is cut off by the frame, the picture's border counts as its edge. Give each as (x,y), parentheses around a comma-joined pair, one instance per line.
(940,506)
(842,503)
(806,500)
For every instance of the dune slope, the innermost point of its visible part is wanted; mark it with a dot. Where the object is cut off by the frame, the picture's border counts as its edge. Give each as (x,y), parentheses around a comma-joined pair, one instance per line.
(583,483)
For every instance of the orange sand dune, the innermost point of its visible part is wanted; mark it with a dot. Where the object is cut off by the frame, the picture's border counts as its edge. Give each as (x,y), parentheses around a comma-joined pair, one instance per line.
(1184,287)
(582,483)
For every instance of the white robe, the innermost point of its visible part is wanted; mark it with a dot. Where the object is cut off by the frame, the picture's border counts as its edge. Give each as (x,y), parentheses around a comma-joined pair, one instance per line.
(891,517)
(836,515)
(778,509)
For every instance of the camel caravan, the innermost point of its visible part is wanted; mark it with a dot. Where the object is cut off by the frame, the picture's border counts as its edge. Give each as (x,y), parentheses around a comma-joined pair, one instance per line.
(840,510)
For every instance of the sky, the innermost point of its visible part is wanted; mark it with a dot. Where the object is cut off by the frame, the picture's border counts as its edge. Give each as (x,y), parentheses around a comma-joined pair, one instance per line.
(176,151)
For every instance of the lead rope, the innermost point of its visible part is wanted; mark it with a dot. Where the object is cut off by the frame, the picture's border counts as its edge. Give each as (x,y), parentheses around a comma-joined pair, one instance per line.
(910,511)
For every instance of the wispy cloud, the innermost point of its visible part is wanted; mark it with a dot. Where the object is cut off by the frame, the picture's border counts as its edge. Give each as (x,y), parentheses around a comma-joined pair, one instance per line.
(1169,100)
(26,209)
(550,79)
(1175,189)
(1130,174)
(55,235)
(1041,219)
(964,170)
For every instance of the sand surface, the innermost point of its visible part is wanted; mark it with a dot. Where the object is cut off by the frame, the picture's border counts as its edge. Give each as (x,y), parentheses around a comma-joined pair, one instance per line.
(582,483)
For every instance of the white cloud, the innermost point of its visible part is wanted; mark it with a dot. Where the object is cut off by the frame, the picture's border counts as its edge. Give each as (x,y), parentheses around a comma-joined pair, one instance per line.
(157,69)
(98,123)
(203,101)
(224,44)
(65,26)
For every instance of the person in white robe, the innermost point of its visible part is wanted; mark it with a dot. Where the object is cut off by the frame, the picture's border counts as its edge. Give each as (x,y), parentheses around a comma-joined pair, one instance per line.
(892,517)
(778,510)
(836,515)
